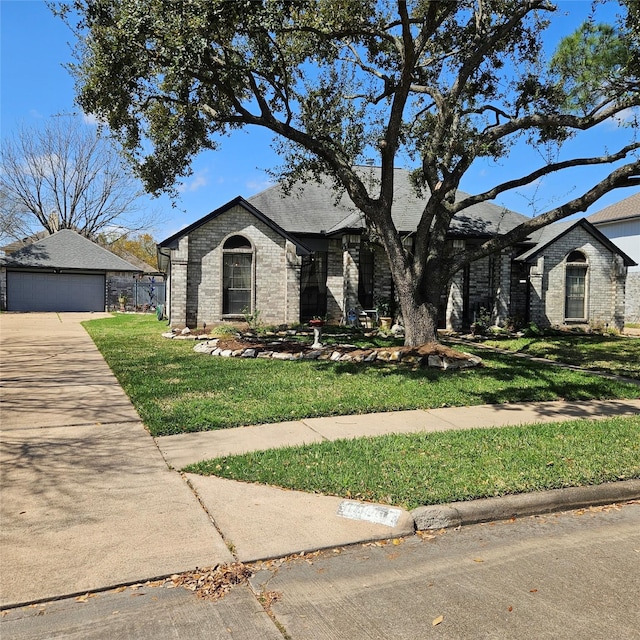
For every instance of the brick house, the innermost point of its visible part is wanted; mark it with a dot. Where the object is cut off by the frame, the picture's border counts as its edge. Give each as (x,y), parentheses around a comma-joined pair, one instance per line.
(620,222)
(292,256)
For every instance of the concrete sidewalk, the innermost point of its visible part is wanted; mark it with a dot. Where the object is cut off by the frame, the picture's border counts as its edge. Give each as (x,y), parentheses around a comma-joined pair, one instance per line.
(87,499)
(183,449)
(268,522)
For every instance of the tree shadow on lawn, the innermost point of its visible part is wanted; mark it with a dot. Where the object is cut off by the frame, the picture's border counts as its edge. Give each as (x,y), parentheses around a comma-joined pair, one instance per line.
(540,382)
(580,350)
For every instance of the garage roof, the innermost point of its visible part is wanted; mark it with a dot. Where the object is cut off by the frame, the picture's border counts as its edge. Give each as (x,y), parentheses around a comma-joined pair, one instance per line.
(66,249)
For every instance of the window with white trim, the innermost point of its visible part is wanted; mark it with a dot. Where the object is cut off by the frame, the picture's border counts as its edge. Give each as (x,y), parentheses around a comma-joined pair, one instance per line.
(237,276)
(575,286)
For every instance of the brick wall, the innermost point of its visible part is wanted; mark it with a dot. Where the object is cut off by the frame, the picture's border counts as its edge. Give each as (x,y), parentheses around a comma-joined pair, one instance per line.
(196,278)
(604,286)
(632,297)
(335,281)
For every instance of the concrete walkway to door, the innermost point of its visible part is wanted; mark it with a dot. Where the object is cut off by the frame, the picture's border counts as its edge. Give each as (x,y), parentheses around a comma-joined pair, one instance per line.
(87,499)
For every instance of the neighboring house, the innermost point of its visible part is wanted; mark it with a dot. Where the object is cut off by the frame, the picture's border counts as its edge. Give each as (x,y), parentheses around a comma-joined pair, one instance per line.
(61,272)
(620,222)
(303,254)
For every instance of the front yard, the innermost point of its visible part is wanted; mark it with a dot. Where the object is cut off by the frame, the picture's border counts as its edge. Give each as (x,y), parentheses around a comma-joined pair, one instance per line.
(417,469)
(613,354)
(176,390)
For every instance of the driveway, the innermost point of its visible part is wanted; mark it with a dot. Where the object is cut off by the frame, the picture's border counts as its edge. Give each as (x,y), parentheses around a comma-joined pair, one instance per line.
(87,499)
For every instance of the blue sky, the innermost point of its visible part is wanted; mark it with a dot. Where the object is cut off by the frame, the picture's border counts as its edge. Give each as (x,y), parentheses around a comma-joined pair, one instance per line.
(34,86)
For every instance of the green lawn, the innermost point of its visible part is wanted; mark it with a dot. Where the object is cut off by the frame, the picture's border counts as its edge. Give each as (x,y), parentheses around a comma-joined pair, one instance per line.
(614,354)
(176,390)
(417,469)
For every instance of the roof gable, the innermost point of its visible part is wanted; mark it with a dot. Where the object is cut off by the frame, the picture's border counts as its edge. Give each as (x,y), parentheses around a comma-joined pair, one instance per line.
(553,232)
(172,241)
(67,249)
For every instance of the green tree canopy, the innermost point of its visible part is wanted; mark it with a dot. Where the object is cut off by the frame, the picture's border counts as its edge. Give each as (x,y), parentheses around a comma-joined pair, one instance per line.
(338,81)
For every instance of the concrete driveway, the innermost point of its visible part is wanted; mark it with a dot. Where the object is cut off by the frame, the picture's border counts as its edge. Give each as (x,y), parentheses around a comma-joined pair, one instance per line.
(87,499)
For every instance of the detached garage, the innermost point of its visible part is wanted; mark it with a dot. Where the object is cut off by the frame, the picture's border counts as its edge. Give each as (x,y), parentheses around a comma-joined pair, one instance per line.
(62,272)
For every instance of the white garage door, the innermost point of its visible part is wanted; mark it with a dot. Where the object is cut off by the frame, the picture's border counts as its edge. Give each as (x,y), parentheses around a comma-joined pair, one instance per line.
(27,291)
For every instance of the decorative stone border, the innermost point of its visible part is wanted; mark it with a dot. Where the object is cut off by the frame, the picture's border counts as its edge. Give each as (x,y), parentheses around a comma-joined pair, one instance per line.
(279,350)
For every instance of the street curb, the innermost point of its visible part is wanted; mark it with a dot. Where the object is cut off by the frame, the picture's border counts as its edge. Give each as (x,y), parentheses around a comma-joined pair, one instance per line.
(455,514)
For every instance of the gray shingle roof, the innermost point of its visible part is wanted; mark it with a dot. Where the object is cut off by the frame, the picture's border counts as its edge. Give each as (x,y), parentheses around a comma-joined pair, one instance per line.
(627,208)
(545,236)
(67,249)
(312,208)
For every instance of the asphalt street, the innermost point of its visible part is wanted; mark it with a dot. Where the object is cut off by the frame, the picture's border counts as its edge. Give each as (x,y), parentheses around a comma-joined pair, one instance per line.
(569,575)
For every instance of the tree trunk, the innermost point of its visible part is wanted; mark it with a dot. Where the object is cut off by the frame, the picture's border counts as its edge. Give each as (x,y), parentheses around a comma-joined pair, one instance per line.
(420,324)
(419,306)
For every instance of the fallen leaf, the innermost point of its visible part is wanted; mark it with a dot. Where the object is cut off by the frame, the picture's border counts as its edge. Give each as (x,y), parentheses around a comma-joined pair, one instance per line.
(510,609)
(478,560)
(533,591)
(83,598)
(425,535)
(213,583)
(437,620)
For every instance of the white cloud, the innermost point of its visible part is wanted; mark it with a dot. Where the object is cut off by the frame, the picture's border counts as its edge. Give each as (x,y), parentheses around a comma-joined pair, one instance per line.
(625,117)
(198,181)
(90,119)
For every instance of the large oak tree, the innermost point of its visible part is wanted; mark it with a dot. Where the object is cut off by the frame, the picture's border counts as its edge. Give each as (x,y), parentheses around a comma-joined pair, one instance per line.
(336,81)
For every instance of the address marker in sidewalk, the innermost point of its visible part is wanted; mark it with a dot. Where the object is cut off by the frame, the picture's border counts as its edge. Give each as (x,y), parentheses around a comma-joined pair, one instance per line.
(369,512)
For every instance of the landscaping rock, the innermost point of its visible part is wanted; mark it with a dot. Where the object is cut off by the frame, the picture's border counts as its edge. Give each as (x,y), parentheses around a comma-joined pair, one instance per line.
(434,361)
(397,330)
(205,347)
(252,346)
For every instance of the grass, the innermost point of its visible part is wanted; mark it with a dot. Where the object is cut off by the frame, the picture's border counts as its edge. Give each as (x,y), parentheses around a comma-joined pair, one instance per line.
(614,354)
(176,390)
(417,469)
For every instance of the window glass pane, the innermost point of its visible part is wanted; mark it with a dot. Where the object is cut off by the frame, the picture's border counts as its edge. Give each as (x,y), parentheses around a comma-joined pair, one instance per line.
(575,292)
(236,282)
(576,256)
(237,242)
(313,286)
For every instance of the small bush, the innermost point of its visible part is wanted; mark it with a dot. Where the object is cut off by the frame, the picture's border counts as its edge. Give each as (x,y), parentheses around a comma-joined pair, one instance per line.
(532,330)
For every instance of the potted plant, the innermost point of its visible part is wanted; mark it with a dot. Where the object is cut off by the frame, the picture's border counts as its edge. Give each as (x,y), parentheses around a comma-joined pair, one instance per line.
(384,311)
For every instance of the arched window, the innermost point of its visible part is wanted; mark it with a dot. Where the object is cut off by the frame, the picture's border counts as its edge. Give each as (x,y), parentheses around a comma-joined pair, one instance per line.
(237,276)
(575,286)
